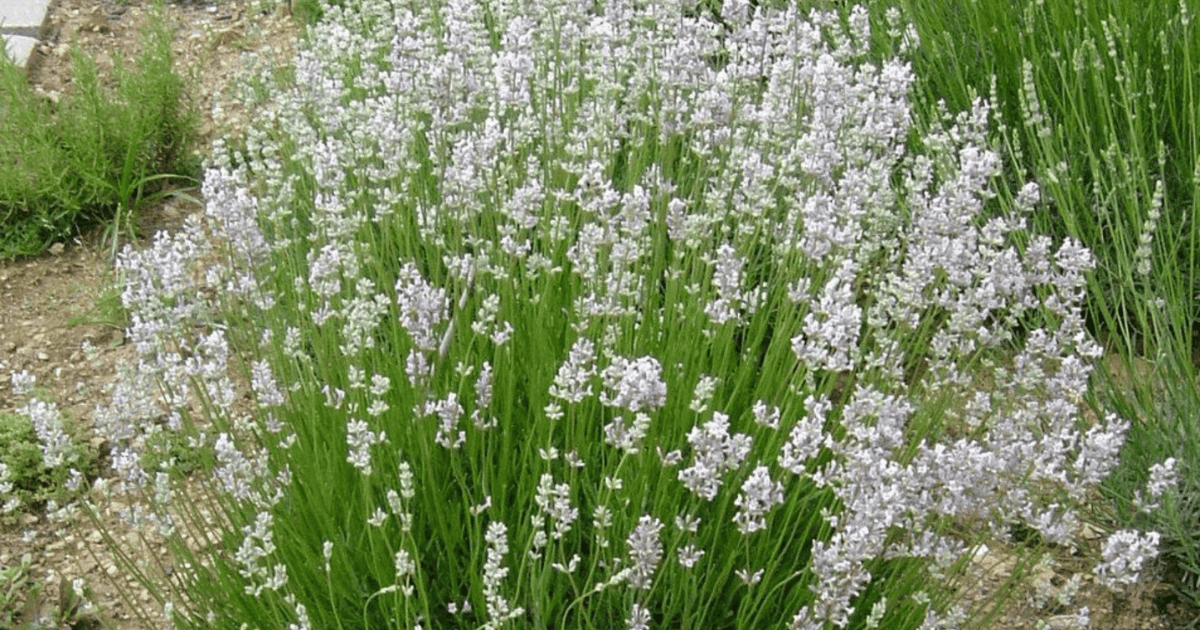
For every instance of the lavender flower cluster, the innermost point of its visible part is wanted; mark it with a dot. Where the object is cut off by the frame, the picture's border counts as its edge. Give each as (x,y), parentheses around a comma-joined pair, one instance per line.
(892,274)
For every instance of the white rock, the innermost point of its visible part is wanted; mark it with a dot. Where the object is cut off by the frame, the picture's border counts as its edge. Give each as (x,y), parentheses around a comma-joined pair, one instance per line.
(1063,622)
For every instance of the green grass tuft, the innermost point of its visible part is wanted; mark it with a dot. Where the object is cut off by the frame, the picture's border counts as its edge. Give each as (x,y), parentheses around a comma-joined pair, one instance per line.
(100,155)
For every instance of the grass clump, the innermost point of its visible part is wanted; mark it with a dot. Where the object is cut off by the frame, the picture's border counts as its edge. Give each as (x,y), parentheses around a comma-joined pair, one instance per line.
(97,157)
(107,310)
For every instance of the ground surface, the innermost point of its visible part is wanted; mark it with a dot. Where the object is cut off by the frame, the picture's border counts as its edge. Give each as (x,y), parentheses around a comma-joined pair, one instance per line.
(52,306)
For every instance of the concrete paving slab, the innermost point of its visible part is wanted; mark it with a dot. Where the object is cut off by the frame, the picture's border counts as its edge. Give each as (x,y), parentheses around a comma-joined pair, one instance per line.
(22,17)
(19,48)
(21,26)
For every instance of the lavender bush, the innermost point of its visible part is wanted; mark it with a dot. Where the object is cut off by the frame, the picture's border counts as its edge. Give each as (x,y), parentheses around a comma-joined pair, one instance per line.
(568,314)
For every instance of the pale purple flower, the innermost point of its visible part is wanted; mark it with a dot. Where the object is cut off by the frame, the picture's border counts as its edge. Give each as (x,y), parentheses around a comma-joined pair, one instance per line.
(417,368)
(572,383)
(5,479)
(807,436)
(407,488)
(715,452)
(1125,554)
(449,411)
(627,437)
(499,609)
(831,329)
(483,386)
(639,618)
(359,440)
(262,381)
(645,552)
(727,284)
(404,564)
(326,268)
(748,577)
(554,501)
(361,315)
(703,393)
(634,385)
(1164,477)
(22,382)
(423,307)
(234,469)
(766,415)
(689,555)
(759,494)
(1100,449)
(54,441)
(257,545)
(380,384)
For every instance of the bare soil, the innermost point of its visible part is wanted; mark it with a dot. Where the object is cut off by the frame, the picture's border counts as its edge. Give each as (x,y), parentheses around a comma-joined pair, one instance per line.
(49,312)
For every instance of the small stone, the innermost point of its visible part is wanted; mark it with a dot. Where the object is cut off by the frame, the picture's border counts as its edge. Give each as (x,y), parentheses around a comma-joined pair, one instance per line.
(1090,532)
(42,356)
(96,442)
(55,547)
(111,570)
(1063,622)
(57,249)
(10,347)
(29,519)
(95,538)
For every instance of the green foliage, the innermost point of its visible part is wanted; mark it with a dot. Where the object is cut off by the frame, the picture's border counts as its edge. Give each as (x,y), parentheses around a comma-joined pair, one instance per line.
(455,494)
(101,156)
(15,588)
(308,12)
(1100,107)
(23,605)
(33,483)
(33,172)
(171,451)
(1165,408)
